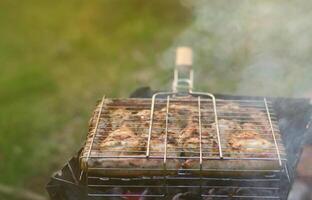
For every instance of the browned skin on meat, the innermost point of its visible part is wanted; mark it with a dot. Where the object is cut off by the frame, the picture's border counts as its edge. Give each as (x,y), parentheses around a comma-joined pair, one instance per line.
(116,118)
(190,140)
(251,143)
(122,142)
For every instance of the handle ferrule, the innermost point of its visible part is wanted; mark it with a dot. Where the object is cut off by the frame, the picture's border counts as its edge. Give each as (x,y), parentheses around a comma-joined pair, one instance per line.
(183,73)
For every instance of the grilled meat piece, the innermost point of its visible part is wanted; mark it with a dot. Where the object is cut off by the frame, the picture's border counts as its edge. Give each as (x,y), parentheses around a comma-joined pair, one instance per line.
(190,141)
(122,142)
(157,148)
(226,126)
(140,123)
(180,115)
(191,147)
(249,144)
(118,117)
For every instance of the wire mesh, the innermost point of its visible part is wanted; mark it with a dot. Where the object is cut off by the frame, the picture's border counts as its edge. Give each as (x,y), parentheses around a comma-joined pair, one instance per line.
(161,147)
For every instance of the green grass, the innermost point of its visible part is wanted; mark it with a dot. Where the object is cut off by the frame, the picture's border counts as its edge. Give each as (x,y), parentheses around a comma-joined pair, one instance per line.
(57,59)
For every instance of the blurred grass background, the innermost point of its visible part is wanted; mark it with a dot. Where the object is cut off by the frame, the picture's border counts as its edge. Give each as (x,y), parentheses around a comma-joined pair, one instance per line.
(57,59)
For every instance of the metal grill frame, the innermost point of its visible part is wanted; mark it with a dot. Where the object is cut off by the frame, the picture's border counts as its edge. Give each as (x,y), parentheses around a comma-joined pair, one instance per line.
(283,172)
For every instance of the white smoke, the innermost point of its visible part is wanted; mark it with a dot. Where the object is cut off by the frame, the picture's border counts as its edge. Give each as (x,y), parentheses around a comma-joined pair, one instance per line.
(257,47)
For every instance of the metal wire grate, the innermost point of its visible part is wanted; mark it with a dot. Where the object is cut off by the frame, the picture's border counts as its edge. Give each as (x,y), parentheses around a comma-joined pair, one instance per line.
(179,143)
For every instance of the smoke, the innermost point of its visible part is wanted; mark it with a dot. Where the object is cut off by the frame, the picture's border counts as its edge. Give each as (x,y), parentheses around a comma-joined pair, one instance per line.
(300,191)
(256,47)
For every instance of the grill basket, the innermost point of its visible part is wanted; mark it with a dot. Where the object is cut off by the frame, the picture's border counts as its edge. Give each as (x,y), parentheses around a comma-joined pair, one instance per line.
(204,166)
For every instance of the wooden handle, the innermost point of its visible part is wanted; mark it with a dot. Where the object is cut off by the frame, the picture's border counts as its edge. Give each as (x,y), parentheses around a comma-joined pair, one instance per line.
(184,56)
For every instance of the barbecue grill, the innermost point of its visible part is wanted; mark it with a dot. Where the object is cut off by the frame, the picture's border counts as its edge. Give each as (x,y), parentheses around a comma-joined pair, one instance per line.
(232,147)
